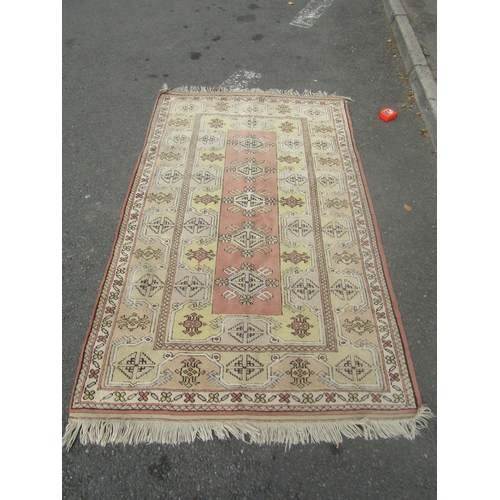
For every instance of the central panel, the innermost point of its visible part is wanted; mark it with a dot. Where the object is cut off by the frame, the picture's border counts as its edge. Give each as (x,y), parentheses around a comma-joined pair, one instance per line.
(247,272)
(244,267)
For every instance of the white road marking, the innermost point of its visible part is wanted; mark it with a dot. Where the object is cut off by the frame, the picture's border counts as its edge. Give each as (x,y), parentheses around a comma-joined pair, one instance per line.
(308,15)
(240,80)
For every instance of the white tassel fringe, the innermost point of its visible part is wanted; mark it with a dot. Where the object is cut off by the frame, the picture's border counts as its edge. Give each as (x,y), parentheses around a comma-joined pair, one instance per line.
(289,433)
(221,90)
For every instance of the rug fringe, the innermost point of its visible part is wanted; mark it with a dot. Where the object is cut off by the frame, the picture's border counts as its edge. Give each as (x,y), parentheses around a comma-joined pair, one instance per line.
(104,432)
(212,90)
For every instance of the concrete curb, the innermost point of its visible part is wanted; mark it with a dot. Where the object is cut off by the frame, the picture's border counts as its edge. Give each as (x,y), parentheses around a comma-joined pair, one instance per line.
(419,74)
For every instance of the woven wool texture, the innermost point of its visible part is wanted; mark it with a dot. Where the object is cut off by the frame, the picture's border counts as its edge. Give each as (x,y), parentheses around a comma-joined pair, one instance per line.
(247,292)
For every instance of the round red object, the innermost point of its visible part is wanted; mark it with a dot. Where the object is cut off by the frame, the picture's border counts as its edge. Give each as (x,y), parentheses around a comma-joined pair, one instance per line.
(388,114)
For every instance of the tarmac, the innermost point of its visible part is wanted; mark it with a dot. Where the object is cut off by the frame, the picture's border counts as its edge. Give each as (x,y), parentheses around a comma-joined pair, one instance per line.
(414,53)
(380,53)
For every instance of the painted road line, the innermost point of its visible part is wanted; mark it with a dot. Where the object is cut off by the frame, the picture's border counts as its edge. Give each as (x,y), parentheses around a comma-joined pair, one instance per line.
(308,15)
(240,80)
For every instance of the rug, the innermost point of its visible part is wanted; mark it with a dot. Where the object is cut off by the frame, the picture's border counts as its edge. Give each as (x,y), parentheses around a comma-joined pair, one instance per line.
(247,293)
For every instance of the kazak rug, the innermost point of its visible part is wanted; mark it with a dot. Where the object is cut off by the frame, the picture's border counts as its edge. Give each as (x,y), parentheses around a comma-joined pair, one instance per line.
(247,293)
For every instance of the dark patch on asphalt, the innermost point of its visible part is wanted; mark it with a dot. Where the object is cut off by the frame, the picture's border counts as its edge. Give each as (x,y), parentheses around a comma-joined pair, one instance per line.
(147,59)
(69,42)
(186,27)
(195,55)
(298,57)
(253,6)
(207,47)
(247,18)
(161,469)
(165,75)
(216,39)
(257,37)
(153,76)
(336,449)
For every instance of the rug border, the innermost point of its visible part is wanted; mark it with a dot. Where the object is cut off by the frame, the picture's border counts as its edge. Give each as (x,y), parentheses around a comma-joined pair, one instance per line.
(115,240)
(385,266)
(370,428)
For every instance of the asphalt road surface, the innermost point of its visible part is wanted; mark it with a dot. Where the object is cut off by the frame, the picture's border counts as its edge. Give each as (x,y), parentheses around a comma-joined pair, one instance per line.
(116,56)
